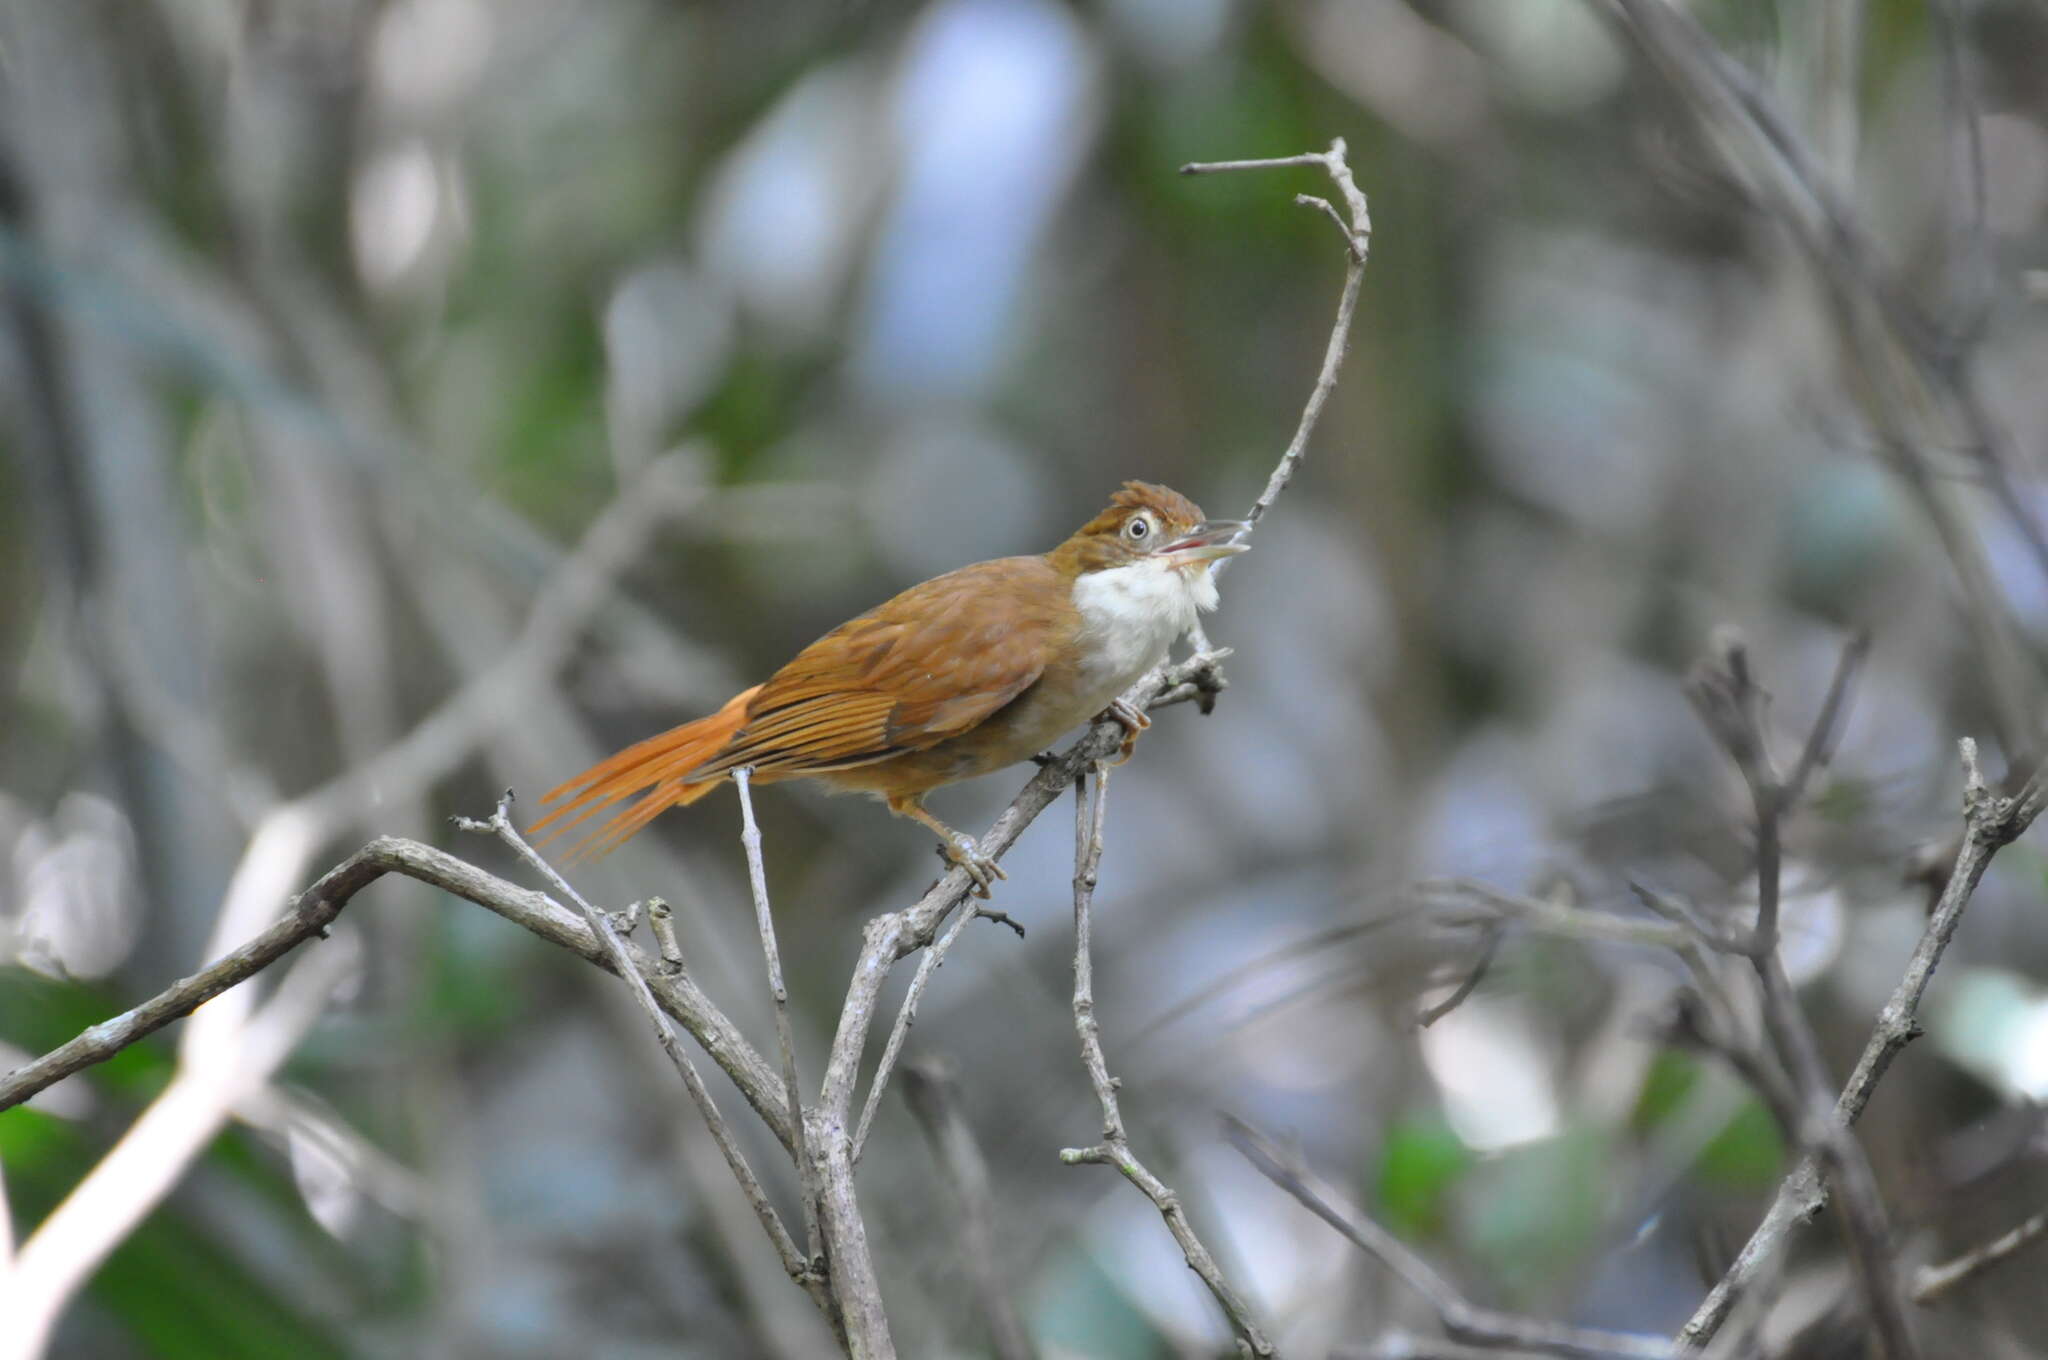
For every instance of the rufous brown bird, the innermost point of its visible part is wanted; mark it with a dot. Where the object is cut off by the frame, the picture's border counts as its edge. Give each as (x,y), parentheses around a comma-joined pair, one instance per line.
(966,673)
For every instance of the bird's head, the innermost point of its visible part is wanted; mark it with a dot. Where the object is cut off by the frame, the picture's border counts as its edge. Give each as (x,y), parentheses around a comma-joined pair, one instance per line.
(1151,525)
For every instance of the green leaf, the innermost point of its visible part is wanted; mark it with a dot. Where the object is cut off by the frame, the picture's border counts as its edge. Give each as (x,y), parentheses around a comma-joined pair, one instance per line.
(1420,1163)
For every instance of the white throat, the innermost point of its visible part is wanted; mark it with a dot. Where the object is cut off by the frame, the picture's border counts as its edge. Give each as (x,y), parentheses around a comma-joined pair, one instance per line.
(1131,615)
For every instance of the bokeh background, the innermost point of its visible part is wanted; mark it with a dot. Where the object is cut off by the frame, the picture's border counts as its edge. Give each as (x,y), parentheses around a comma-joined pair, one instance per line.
(405,400)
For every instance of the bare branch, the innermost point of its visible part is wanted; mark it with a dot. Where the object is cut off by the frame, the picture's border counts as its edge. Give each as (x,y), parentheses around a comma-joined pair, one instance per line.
(1358,246)
(1482,959)
(1990,822)
(678,996)
(1731,702)
(309,914)
(1460,1318)
(1329,210)
(1681,913)
(905,1014)
(764,920)
(793,1260)
(1934,1281)
(1554,918)
(1114,1149)
(1827,726)
(1971,274)
(1267,163)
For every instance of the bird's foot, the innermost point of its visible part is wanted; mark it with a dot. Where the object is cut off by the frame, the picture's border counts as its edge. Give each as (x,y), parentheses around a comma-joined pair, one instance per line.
(962,853)
(1133,723)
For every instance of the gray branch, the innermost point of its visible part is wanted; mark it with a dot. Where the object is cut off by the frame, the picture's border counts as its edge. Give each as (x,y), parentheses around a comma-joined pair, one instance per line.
(1936,1280)
(1990,822)
(1358,246)
(771,953)
(1463,1320)
(1731,703)
(630,969)
(1115,1148)
(313,909)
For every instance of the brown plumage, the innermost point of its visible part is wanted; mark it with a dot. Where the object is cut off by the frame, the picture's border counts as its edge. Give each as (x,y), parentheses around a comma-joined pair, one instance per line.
(963,674)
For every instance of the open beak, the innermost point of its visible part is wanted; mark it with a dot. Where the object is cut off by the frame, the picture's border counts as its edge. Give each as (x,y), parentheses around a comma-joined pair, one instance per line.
(1207,542)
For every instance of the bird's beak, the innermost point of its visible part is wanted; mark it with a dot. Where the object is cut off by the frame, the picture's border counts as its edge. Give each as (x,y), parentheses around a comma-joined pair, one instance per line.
(1207,542)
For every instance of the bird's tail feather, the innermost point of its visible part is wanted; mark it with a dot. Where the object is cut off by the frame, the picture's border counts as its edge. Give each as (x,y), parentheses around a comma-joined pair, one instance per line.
(656,768)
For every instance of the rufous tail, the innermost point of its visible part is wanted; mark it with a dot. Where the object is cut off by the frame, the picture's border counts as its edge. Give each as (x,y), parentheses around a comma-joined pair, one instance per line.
(656,768)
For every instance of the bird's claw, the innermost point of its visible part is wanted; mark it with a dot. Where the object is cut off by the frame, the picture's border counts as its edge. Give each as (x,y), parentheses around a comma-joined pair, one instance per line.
(963,853)
(1132,721)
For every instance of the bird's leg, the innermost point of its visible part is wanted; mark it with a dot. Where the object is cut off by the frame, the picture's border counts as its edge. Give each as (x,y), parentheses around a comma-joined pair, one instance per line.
(1133,722)
(955,847)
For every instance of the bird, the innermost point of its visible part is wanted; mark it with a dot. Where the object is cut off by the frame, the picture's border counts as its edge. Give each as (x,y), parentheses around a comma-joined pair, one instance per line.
(979,668)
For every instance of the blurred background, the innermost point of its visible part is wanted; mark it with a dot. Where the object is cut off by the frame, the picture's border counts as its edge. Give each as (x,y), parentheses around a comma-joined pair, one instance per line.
(407,399)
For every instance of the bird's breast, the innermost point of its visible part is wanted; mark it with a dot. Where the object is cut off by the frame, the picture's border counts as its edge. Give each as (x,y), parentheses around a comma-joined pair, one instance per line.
(1130,615)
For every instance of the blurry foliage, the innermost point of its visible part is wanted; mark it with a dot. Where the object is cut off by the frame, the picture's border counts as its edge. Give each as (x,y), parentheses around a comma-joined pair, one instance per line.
(1747,1154)
(1421,1164)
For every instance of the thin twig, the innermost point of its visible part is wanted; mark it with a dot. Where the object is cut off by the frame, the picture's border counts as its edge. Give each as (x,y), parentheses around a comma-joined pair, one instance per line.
(764,920)
(677,994)
(1482,958)
(1827,727)
(934,1098)
(1971,276)
(1265,163)
(1462,1319)
(1115,1149)
(1358,246)
(499,824)
(1936,1280)
(1990,822)
(309,914)
(905,1014)
(1731,704)
(1553,918)
(1310,946)
(1681,913)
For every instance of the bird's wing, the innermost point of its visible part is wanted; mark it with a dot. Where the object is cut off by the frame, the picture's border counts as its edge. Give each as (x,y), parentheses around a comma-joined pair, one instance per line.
(930,664)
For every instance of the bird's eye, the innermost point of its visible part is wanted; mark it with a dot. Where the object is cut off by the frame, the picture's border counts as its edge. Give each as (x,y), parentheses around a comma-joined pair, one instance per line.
(1136,530)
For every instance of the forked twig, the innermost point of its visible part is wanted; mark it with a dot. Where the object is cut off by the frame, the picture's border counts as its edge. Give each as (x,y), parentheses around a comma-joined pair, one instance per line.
(1731,704)
(1115,1148)
(1358,247)
(905,1014)
(499,824)
(1990,822)
(1462,1319)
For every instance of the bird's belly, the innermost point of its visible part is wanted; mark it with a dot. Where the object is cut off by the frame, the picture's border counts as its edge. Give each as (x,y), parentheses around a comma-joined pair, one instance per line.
(1067,696)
